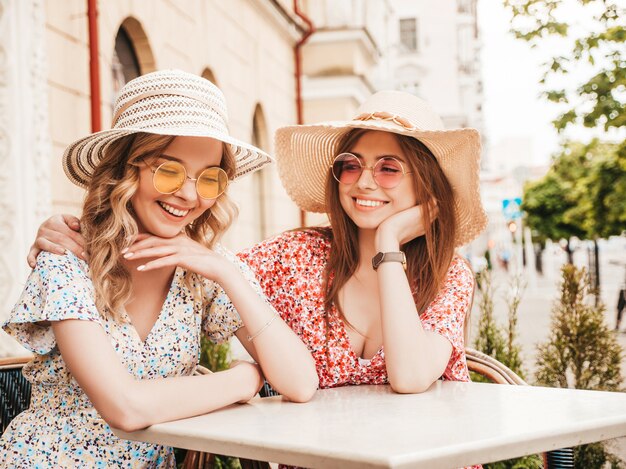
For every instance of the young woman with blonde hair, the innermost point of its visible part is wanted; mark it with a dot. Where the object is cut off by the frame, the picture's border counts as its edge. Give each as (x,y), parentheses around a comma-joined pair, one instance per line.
(116,339)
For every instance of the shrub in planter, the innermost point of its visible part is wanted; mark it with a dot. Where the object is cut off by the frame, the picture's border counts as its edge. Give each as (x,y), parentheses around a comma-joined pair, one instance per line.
(581,352)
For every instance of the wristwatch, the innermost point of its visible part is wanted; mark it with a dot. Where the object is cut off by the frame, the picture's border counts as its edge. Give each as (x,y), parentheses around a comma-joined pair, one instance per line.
(388,257)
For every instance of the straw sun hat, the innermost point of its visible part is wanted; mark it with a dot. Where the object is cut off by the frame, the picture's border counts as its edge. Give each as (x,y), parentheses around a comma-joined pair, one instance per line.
(305,153)
(168,102)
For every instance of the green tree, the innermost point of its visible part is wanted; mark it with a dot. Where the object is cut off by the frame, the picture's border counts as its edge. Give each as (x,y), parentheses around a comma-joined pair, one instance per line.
(597,101)
(600,50)
(604,198)
(582,195)
(513,299)
(581,351)
(552,203)
(545,202)
(490,339)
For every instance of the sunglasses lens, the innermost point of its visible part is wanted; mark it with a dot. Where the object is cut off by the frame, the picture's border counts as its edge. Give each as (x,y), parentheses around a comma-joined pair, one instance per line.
(169,177)
(388,172)
(347,168)
(212,183)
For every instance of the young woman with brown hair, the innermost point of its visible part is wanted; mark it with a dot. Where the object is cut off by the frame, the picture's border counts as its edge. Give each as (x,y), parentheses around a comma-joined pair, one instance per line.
(380,296)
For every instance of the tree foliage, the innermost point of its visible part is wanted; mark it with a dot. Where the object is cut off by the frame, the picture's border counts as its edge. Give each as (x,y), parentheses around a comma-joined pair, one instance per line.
(600,49)
(499,342)
(545,203)
(605,198)
(216,357)
(582,195)
(581,351)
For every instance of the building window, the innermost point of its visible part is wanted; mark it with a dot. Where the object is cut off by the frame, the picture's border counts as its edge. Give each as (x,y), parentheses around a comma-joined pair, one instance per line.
(408,34)
(466,47)
(125,64)
(466,6)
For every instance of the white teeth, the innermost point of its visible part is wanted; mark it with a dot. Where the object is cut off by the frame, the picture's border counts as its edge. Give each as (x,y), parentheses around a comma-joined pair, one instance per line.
(369,203)
(172,210)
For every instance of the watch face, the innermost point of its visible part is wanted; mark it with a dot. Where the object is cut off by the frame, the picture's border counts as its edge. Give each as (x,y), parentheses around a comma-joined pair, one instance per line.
(376,260)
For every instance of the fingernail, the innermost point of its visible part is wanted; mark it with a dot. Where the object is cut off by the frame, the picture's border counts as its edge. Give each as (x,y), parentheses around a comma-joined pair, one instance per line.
(127,255)
(83,254)
(124,250)
(141,267)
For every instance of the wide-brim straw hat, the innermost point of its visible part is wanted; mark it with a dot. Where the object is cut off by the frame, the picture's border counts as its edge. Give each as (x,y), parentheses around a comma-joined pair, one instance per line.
(304,154)
(167,102)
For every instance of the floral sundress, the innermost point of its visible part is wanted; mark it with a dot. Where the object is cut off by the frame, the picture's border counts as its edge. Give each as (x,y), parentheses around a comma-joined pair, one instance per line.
(62,428)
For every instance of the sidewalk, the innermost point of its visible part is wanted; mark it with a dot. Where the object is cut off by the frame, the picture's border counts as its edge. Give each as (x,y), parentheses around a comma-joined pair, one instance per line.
(537,301)
(542,290)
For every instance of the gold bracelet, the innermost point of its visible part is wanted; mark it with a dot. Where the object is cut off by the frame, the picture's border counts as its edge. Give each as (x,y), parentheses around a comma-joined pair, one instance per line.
(267,324)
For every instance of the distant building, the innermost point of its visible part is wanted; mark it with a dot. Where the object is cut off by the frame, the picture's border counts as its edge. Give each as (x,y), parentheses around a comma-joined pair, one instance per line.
(435,53)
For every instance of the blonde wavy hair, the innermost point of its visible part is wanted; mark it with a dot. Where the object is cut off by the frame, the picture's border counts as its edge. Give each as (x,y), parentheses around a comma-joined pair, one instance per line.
(108,222)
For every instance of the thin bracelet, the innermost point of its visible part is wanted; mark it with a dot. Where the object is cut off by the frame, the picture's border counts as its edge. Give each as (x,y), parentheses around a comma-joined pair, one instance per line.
(267,324)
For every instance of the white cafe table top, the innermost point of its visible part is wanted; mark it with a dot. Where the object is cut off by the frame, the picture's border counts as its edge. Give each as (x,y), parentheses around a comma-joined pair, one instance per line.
(451,425)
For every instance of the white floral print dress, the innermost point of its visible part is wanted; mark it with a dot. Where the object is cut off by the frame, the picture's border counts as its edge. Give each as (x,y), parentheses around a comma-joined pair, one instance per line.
(62,428)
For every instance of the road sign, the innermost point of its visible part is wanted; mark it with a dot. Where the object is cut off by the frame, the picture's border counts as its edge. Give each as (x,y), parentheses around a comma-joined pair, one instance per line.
(511,208)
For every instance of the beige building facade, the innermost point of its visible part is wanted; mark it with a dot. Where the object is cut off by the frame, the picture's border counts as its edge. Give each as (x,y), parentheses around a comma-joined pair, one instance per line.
(245,46)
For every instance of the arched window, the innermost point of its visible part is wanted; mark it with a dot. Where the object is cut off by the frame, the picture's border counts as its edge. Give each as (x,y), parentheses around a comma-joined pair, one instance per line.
(209,75)
(125,65)
(132,55)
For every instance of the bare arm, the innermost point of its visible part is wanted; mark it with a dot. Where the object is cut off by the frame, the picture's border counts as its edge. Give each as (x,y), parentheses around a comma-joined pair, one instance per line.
(415,358)
(130,404)
(285,360)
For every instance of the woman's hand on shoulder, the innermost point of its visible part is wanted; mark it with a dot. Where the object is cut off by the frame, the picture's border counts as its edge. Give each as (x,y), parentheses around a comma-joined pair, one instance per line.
(177,251)
(58,234)
(402,227)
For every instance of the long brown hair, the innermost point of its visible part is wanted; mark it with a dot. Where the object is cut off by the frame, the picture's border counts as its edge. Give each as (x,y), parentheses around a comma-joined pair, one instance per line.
(108,223)
(428,257)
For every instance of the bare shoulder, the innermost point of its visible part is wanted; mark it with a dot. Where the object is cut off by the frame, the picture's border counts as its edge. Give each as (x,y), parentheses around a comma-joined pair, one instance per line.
(460,270)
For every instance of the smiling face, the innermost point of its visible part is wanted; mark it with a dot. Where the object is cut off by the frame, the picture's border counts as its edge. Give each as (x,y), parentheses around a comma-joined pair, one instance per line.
(364,201)
(166,215)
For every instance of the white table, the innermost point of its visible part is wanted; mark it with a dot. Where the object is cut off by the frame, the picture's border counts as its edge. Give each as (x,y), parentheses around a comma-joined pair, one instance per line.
(451,425)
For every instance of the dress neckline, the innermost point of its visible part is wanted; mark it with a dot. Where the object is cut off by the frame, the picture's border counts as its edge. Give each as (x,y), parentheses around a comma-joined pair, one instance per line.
(344,335)
(162,313)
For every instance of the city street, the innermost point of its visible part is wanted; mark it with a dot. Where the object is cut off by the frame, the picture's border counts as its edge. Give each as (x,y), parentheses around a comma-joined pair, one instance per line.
(541,291)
